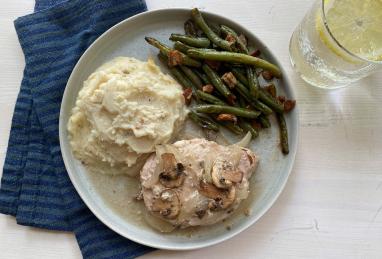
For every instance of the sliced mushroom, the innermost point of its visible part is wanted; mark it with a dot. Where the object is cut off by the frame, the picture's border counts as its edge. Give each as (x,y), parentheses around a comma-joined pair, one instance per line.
(221,198)
(224,174)
(250,157)
(168,161)
(234,176)
(173,173)
(167,204)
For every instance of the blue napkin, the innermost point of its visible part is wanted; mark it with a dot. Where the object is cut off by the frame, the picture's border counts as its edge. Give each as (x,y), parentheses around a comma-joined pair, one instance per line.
(35,187)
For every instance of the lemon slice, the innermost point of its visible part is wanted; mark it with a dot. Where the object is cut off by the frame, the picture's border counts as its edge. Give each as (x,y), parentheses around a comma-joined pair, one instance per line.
(356,25)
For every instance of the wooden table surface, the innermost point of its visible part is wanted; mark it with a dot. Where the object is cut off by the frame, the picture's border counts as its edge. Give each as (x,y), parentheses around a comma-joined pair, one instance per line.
(332,204)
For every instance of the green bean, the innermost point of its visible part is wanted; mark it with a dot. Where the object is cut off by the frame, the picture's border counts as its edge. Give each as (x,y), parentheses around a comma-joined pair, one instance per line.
(177,73)
(263,96)
(209,98)
(264,121)
(232,57)
(162,47)
(253,83)
(239,75)
(248,127)
(192,76)
(270,101)
(283,133)
(226,124)
(218,84)
(199,20)
(242,122)
(241,112)
(181,78)
(219,95)
(258,105)
(166,50)
(226,30)
(241,102)
(243,91)
(162,58)
(215,28)
(192,41)
(190,28)
(236,129)
(202,76)
(180,46)
(203,121)
(251,78)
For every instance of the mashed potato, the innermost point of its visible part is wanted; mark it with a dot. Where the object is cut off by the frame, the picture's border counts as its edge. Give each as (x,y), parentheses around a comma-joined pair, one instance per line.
(124,109)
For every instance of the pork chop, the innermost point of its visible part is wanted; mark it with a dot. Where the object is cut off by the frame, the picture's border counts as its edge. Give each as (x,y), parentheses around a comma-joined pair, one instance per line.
(196,182)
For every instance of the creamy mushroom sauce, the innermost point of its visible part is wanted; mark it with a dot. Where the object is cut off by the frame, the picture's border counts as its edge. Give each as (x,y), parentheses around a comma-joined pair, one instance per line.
(210,184)
(118,193)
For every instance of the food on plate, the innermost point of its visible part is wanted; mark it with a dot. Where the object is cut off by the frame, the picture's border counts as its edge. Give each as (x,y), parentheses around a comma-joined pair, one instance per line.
(219,109)
(196,182)
(198,42)
(204,122)
(125,108)
(220,75)
(232,57)
(175,57)
(128,113)
(210,33)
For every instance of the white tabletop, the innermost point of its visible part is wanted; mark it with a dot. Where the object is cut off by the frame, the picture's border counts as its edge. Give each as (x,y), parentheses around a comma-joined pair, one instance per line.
(332,204)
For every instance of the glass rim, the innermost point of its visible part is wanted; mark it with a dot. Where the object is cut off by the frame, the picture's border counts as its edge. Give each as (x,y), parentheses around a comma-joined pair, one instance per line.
(326,25)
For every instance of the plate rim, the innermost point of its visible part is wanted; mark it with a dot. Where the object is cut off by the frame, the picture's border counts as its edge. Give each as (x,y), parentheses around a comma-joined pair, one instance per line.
(230,234)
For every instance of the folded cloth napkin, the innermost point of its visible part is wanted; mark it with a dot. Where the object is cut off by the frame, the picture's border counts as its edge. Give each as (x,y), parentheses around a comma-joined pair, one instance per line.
(35,187)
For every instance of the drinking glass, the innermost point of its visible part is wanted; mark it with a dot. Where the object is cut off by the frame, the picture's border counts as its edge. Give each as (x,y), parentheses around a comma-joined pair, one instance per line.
(320,58)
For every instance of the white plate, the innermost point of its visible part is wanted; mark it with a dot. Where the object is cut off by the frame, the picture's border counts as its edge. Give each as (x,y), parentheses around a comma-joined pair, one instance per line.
(107,197)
